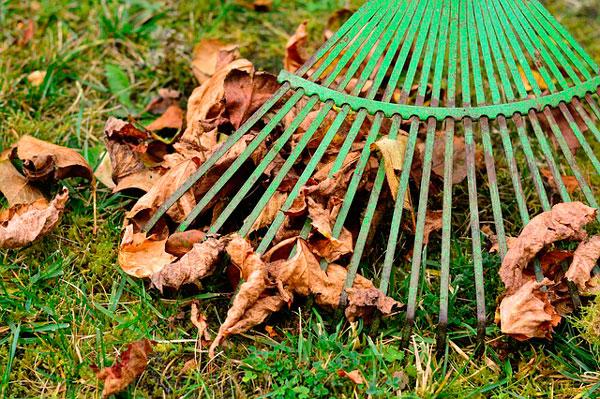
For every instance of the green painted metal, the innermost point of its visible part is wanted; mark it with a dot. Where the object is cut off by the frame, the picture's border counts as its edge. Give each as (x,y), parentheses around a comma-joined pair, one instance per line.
(440,113)
(498,73)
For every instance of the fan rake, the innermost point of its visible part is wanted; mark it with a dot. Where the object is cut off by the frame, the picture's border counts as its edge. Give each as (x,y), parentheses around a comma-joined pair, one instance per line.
(483,69)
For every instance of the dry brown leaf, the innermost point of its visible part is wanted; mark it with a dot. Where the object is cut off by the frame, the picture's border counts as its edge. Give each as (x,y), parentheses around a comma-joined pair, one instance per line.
(43,161)
(363,301)
(564,222)
(267,215)
(27,30)
(15,186)
(142,256)
(570,182)
(330,248)
(166,98)
(459,169)
(244,310)
(538,79)
(199,320)
(211,55)
(24,223)
(584,260)
(393,152)
(528,313)
(126,146)
(197,264)
(104,171)
(433,222)
(36,78)
(182,242)
(207,102)
(127,369)
(245,92)
(295,55)
(163,189)
(355,376)
(171,119)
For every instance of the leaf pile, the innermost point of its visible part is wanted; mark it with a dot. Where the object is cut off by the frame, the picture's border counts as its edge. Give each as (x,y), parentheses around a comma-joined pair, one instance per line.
(531,308)
(155,160)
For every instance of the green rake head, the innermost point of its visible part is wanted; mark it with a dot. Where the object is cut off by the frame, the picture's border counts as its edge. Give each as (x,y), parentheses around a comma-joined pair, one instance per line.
(482,68)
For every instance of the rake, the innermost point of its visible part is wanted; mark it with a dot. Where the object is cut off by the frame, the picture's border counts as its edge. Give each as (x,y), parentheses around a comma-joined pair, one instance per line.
(483,69)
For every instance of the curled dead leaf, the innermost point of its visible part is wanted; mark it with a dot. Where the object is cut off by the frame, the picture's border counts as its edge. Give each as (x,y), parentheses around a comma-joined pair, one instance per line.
(171,119)
(47,161)
(246,309)
(199,263)
(15,186)
(570,182)
(392,152)
(182,242)
(564,221)
(166,98)
(127,369)
(585,258)
(24,223)
(199,320)
(527,312)
(363,302)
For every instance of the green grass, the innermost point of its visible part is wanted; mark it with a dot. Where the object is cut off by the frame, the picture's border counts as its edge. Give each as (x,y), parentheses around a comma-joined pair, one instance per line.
(65,304)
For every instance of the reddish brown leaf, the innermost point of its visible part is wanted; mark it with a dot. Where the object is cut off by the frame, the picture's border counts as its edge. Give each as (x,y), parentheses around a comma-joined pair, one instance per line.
(182,242)
(127,369)
(27,30)
(199,320)
(245,92)
(295,56)
(171,119)
(433,222)
(570,182)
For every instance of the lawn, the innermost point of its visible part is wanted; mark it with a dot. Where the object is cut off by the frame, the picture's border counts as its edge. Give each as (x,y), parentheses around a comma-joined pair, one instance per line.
(65,305)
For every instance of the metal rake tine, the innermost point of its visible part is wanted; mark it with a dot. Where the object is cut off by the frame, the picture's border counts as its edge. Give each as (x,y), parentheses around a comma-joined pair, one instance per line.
(271,155)
(348,199)
(469,49)
(527,39)
(485,129)
(548,154)
(585,188)
(564,33)
(346,32)
(446,232)
(254,144)
(416,263)
(342,154)
(593,105)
